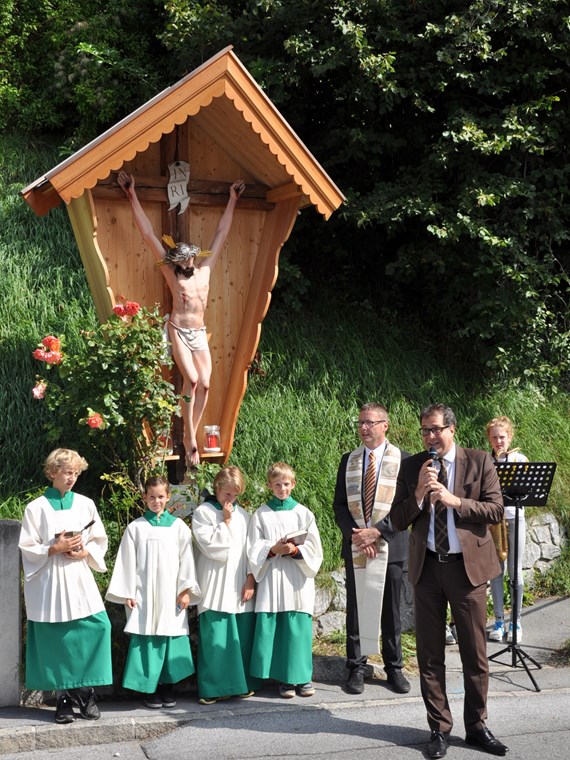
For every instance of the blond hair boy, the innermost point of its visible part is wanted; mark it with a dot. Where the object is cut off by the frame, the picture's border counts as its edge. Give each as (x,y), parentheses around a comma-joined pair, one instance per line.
(285,554)
(68,644)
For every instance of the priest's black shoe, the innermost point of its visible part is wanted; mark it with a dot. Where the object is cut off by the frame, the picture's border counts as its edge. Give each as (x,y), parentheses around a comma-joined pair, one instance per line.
(398,682)
(486,741)
(355,683)
(438,744)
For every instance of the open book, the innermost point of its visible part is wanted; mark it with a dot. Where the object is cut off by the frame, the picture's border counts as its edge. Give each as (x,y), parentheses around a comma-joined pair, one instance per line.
(297,537)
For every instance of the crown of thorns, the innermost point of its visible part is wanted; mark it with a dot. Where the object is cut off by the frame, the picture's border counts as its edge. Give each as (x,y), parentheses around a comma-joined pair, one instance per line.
(178,253)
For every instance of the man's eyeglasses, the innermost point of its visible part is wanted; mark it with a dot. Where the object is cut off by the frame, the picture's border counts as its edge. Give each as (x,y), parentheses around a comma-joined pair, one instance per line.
(425,431)
(368,423)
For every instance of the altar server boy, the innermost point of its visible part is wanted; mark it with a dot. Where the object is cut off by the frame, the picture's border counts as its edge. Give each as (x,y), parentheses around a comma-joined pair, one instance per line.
(285,554)
(155,578)
(226,617)
(68,644)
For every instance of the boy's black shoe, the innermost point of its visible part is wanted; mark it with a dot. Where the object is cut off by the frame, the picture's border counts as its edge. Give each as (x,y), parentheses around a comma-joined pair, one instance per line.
(166,694)
(64,709)
(85,699)
(153,701)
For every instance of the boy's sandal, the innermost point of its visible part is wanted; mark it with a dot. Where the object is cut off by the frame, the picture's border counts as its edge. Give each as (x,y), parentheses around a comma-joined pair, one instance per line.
(247,695)
(211,700)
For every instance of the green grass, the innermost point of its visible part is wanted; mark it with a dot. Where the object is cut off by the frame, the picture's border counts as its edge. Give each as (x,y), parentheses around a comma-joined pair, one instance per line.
(317,367)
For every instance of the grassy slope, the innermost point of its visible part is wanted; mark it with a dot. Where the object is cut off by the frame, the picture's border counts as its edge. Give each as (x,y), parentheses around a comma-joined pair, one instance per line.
(301,409)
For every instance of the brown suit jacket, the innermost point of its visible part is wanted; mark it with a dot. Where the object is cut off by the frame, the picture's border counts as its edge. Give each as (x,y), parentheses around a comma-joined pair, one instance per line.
(477,485)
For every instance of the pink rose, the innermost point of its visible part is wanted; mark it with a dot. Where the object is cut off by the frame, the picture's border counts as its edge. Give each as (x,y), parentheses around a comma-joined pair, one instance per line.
(39,389)
(95,420)
(53,357)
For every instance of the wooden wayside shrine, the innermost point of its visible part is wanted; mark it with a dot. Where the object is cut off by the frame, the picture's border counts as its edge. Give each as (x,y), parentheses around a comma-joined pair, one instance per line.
(219,121)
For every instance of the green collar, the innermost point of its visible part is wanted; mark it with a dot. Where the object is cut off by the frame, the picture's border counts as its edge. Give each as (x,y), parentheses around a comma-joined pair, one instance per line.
(282,506)
(215,503)
(57,501)
(164,521)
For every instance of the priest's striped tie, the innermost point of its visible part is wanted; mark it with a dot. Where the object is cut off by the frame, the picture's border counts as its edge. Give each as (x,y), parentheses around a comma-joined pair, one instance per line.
(369,487)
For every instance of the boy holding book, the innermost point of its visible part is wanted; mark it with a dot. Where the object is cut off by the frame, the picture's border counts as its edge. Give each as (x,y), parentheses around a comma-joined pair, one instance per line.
(68,644)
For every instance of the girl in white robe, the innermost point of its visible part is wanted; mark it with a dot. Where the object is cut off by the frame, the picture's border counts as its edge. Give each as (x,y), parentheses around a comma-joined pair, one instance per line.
(226,618)
(285,597)
(155,578)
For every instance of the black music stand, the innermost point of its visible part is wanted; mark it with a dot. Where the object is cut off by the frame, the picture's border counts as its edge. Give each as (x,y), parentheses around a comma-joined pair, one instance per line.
(523,484)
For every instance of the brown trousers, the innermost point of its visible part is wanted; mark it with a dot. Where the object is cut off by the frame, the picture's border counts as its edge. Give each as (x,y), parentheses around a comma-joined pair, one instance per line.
(439,584)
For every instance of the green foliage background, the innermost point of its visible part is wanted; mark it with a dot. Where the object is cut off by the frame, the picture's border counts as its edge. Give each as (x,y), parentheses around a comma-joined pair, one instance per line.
(447,126)
(445,123)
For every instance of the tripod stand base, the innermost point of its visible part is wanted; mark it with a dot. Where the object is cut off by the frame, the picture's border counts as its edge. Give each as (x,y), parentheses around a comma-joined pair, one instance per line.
(520,655)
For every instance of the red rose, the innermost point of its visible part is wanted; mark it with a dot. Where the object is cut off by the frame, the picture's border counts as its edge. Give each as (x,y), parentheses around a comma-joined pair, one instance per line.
(119,310)
(52,343)
(95,420)
(132,308)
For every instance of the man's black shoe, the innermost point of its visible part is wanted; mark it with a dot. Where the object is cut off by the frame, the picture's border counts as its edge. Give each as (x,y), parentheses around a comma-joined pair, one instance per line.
(438,744)
(355,683)
(398,682)
(487,742)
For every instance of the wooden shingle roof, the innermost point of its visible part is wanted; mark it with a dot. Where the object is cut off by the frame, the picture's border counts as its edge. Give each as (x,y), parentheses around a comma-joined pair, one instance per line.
(226,102)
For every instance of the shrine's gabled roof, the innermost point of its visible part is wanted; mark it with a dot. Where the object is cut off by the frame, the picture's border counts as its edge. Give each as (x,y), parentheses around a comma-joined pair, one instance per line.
(226,102)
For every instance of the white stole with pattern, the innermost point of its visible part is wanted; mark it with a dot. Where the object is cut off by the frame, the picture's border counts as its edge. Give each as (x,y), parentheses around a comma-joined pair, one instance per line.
(370,574)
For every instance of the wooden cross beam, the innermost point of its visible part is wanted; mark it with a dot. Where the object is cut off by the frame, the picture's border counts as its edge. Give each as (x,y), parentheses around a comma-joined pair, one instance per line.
(201,192)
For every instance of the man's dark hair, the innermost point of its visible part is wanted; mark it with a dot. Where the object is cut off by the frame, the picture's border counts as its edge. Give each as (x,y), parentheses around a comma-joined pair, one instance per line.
(446,412)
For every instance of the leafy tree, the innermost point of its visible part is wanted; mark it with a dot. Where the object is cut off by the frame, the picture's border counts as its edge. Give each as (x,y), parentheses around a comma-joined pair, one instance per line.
(446,124)
(76,65)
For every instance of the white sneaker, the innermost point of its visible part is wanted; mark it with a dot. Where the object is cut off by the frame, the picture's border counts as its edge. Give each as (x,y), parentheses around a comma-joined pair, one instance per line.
(498,632)
(519,633)
(449,637)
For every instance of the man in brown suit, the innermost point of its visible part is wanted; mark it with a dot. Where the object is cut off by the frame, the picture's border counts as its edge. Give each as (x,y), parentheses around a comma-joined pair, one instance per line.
(461,487)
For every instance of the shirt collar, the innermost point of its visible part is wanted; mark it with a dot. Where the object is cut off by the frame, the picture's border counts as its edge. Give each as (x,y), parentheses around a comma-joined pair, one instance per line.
(449,458)
(378,451)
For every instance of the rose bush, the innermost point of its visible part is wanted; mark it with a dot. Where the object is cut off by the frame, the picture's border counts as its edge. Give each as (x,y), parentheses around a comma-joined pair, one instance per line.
(110,397)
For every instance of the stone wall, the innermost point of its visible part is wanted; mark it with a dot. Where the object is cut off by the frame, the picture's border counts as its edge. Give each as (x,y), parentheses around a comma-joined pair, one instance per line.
(544,542)
(10,618)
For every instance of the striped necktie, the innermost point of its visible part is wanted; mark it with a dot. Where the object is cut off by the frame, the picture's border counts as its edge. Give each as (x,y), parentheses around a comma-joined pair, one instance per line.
(441,538)
(369,487)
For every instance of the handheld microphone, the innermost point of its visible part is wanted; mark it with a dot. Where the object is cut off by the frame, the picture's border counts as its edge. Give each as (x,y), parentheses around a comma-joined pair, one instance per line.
(432,454)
